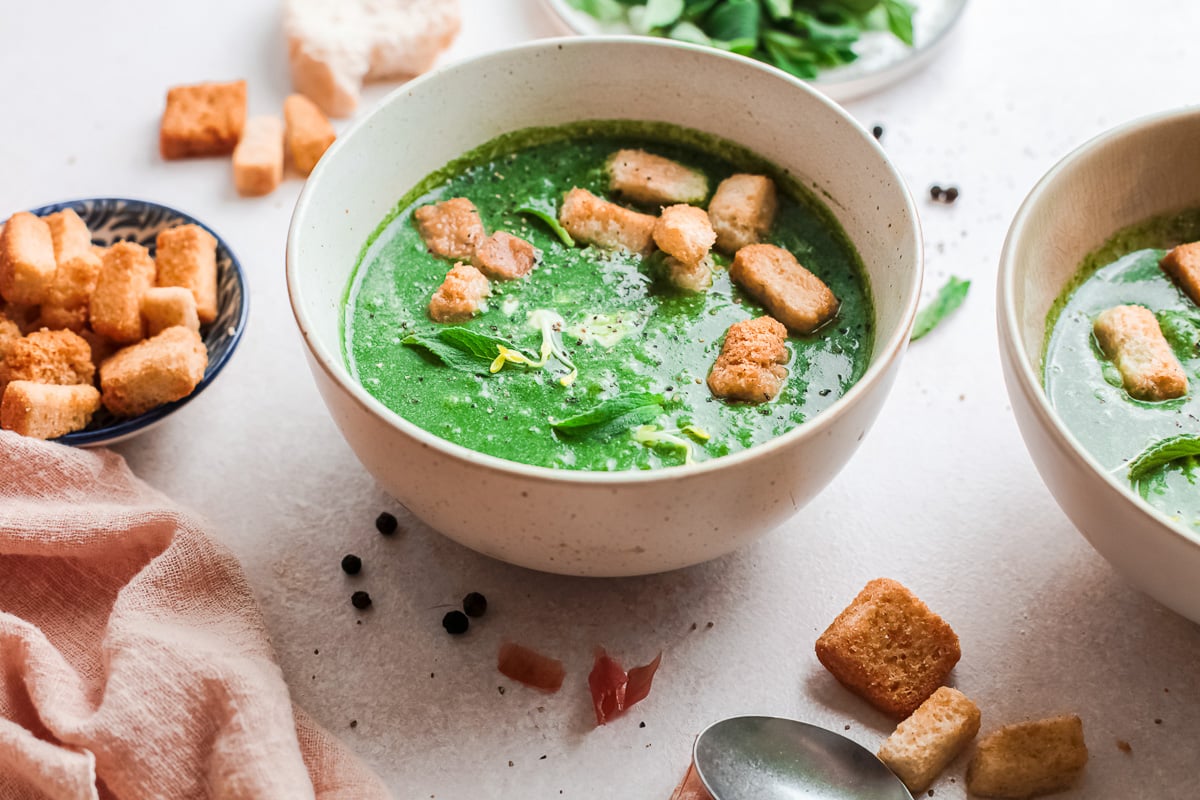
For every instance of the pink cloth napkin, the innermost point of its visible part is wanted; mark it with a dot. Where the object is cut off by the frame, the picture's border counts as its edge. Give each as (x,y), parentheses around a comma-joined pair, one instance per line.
(134,663)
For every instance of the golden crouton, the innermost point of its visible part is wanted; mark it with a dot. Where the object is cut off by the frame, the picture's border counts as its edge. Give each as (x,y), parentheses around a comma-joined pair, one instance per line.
(504,257)
(145,375)
(695,277)
(1029,759)
(167,306)
(309,133)
(749,367)
(889,648)
(460,295)
(1183,265)
(646,178)
(26,317)
(115,308)
(45,356)
(742,210)
(792,294)
(26,259)
(1131,337)
(101,347)
(451,229)
(924,744)
(65,304)
(10,332)
(187,256)
(70,235)
(202,120)
(258,157)
(684,233)
(46,411)
(590,219)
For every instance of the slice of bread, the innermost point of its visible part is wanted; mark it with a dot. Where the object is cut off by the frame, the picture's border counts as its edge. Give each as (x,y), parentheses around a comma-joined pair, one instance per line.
(925,743)
(1029,759)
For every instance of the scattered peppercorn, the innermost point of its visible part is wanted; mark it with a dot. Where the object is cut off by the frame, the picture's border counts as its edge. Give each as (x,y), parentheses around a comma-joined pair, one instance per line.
(877,131)
(387,523)
(361,600)
(641,724)
(475,604)
(351,564)
(935,192)
(940,195)
(455,623)
(353,723)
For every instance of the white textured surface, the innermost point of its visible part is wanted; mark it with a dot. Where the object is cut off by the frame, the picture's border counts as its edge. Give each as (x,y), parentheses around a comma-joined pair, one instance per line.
(941,496)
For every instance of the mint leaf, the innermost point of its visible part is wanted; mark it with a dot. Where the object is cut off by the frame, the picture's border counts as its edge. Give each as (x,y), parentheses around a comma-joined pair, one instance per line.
(1182,330)
(1158,455)
(602,10)
(612,415)
(462,349)
(900,19)
(447,354)
(778,9)
(949,298)
(660,14)
(544,210)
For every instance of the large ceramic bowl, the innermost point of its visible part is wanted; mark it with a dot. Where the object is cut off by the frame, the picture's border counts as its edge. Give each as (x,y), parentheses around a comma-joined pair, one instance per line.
(1143,169)
(591,523)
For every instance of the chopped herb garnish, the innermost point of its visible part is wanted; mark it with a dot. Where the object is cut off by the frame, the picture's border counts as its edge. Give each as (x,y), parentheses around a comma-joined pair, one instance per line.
(544,210)
(469,351)
(1158,455)
(653,436)
(611,416)
(949,298)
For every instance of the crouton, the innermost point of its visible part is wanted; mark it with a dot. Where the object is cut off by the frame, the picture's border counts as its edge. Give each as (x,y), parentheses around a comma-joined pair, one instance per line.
(451,229)
(460,295)
(167,306)
(26,317)
(65,304)
(160,370)
(205,119)
(684,233)
(101,347)
(742,210)
(45,356)
(1131,337)
(187,256)
(924,744)
(309,133)
(26,259)
(45,411)
(646,178)
(689,277)
(889,648)
(100,250)
(1029,759)
(590,219)
(10,332)
(1183,265)
(258,157)
(69,234)
(691,787)
(792,294)
(749,368)
(504,257)
(115,307)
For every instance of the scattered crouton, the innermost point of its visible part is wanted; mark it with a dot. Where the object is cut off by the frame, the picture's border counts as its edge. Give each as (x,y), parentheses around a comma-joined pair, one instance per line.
(646,178)
(684,233)
(160,370)
(460,295)
(45,411)
(1132,338)
(167,306)
(451,229)
(691,787)
(258,157)
(749,368)
(889,648)
(694,277)
(1183,265)
(742,210)
(205,119)
(924,744)
(309,133)
(26,259)
(187,256)
(55,357)
(504,257)
(590,219)
(1029,759)
(792,294)
(115,306)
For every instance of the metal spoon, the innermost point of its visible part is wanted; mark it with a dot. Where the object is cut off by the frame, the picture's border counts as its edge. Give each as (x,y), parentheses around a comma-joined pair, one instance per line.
(767,758)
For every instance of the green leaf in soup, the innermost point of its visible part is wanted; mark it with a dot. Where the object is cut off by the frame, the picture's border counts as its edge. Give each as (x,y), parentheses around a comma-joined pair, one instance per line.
(447,354)
(612,416)
(735,22)
(1182,330)
(778,9)
(469,351)
(689,32)
(601,10)
(544,210)
(949,298)
(1158,455)
(655,15)
(900,19)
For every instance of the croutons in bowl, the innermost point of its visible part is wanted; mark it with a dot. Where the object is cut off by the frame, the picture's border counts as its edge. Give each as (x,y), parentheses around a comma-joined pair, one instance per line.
(115,313)
(602,521)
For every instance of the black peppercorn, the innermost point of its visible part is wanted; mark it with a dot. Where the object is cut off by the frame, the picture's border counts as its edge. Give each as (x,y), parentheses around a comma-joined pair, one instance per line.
(456,622)
(475,604)
(361,600)
(877,131)
(386,523)
(351,564)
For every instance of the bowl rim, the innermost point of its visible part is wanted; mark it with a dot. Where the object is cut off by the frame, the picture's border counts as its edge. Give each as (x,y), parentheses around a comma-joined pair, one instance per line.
(111,434)
(1010,327)
(331,363)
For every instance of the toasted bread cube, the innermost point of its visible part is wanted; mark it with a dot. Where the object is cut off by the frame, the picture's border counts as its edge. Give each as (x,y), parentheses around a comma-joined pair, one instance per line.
(504,257)
(187,256)
(160,370)
(451,228)
(65,304)
(26,317)
(309,133)
(45,411)
(1183,265)
(924,744)
(101,347)
(792,294)
(889,648)
(750,367)
(100,250)
(460,295)
(646,178)
(70,235)
(1131,337)
(167,306)
(258,157)
(10,332)
(742,210)
(205,119)
(689,277)
(1029,759)
(26,259)
(45,356)
(590,219)
(62,318)
(684,233)
(115,308)
(691,787)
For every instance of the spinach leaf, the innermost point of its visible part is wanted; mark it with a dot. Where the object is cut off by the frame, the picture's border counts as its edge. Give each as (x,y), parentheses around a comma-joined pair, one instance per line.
(655,14)
(690,32)
(949,297)
(900,19)
(462,349)
(612,416)
(544,210)
(734,23)
(1158,455)
(778,9)
(602,10)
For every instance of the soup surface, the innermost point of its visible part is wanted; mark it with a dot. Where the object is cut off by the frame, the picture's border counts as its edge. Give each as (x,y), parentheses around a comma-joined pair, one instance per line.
(625,330)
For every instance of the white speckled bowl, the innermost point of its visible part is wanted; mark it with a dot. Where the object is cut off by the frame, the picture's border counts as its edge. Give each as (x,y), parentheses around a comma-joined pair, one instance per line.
(590,523)
(1140,170)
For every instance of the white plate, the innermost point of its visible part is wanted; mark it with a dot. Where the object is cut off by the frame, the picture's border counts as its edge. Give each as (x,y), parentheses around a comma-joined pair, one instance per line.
(882,59)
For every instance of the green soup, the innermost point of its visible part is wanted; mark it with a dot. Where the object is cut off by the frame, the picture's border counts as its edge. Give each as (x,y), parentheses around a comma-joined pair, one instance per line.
(624,330)
(1085,388)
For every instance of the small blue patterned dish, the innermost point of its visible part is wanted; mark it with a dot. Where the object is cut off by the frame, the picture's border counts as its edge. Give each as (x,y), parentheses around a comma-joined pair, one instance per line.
(115,219)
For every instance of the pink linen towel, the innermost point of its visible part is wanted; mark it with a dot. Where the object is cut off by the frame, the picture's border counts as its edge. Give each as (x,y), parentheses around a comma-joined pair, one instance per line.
(134,663)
